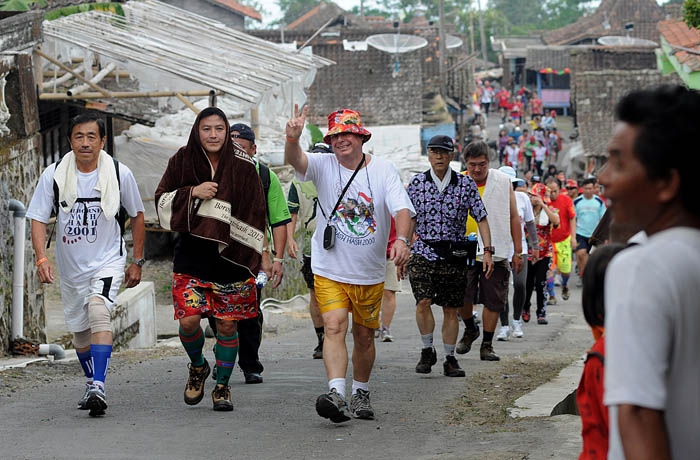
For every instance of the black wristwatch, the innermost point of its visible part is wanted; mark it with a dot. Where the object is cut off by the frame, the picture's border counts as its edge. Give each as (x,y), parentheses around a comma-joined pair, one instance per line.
(139,262)
(490,250)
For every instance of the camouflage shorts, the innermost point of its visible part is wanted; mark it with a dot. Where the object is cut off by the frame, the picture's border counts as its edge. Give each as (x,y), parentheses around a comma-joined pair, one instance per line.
(442,282)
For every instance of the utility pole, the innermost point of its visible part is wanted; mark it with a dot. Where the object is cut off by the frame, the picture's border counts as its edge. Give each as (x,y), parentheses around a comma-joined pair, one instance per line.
(362,8)
(442,48)
(484,56)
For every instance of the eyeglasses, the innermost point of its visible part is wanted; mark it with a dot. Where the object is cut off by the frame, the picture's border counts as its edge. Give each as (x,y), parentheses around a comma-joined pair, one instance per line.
(439,152)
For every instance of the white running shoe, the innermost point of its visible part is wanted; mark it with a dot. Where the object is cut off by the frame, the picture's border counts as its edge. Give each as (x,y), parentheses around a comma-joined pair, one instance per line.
(518,328)
(385,335)
(503,334)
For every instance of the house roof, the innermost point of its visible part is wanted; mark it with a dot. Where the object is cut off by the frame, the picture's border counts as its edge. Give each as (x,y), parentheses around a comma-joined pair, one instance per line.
(610,19)
(236,7)
(542,57)
(159,44)
(514,47)
(322,13)
(678,35)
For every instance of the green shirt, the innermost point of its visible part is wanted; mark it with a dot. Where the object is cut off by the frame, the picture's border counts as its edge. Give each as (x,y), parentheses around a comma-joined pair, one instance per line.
(277,210)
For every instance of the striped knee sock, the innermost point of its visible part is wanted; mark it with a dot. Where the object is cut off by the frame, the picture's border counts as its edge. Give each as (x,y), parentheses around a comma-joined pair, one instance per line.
(85,359)
(193,344)
(226,351)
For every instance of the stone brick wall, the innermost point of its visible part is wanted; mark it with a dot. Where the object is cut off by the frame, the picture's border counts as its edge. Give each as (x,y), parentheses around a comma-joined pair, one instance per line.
(20,160)
(597,93)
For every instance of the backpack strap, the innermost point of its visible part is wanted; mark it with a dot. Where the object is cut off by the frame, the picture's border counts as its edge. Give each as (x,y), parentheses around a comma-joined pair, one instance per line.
(595,354)
(265,179)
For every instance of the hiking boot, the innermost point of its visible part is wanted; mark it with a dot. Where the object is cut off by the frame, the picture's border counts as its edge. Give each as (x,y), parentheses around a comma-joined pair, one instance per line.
(565,293)
(428,357)
(542,320)
(318,351)
(526,316)
(487,353)
(552,301)
(385,335)
(253,377)
(360,406)
(451,367)
(221,397)
(96,401)
(194,390)
(82,404)
(518,329)
(465,343)
(331,405)
(503,334)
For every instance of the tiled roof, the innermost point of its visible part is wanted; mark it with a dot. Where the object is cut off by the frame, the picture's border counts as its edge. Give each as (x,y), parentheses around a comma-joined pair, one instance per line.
(541,57)
(316,17)
(677,33)
(610,19)
(242,9)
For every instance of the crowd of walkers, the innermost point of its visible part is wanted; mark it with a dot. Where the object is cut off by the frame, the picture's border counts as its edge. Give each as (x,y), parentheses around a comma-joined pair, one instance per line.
(457,236)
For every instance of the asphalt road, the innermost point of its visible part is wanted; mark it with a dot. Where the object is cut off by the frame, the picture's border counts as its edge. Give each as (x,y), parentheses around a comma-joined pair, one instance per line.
(147,418)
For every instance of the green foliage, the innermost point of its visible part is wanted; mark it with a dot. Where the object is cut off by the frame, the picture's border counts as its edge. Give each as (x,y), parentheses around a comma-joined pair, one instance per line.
(294,9)
(114,8)
(691,13)
(20,5)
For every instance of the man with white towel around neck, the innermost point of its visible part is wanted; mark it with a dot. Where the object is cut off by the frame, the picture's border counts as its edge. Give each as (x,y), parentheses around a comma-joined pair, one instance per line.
(90,251)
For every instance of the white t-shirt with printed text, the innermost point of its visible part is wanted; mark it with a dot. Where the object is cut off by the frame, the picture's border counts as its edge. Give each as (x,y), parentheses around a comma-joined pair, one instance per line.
(362,221)
(652,339)
(85,240)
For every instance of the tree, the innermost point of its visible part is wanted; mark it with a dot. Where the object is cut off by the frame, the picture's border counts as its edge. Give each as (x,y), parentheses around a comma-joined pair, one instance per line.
(691,13)
(294,9)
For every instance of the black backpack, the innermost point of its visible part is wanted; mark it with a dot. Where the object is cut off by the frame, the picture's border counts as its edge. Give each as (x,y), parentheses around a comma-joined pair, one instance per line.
(121,215)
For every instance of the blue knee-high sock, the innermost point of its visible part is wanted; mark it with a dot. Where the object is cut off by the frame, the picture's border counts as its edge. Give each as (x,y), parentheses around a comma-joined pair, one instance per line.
(565,279)
(100,362)
(85,359)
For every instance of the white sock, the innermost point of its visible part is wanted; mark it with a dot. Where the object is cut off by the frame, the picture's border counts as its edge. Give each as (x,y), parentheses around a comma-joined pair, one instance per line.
(449,349)
(427,340)
(339,385)
(359,386)
(99,384)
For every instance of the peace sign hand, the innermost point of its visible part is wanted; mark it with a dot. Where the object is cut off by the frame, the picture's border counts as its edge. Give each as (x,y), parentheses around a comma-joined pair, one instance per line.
(295,126)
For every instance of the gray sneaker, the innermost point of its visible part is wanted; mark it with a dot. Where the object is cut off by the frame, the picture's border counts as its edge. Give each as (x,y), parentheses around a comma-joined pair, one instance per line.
(82,404)
(96,401)
(360,406)
(331,405)
(385,335)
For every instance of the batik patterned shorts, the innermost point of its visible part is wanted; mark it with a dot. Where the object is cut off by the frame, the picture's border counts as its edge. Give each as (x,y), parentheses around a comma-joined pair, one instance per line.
(229,301)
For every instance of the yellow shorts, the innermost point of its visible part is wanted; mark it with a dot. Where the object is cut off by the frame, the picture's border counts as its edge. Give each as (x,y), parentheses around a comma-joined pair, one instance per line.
(363,301)
(562,253)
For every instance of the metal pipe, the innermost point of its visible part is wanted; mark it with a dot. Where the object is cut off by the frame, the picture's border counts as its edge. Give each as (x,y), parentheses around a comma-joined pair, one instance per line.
(52,349)
(19,212)
(96,79)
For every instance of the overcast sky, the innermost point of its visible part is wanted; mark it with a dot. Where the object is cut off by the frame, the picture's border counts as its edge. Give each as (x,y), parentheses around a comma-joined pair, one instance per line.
(272,10)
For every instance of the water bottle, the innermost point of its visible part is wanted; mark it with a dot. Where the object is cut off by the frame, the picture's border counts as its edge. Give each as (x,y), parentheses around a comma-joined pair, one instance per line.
(472,246)
(261,279)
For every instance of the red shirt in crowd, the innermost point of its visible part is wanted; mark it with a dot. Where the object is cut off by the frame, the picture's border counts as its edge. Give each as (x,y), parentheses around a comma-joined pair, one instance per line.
(503,97)
(566,212)
(392,237)
(594,414)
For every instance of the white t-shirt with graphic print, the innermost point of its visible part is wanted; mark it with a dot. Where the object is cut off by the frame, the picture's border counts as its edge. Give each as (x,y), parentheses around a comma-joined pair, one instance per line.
(362,221)
(85,240)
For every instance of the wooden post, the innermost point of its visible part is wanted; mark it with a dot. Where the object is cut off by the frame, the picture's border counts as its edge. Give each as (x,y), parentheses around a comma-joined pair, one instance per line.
(189,105)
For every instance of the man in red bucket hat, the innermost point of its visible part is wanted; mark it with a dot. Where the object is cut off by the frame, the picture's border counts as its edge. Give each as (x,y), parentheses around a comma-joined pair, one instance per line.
(357,196)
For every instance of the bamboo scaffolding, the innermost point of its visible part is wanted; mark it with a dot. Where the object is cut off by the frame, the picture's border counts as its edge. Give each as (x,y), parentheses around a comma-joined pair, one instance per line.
(96,79)
(123,95)
(189,105)
(168,39)
(63,78)
(75,74)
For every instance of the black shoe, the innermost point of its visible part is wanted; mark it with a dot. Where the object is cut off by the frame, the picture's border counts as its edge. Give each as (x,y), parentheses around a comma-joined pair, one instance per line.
(332,406)
(465,343)
(194,389)
(451,367)
(565,292)
(542,320)
(221,398)
(428,357)
(487,353)
(318,351)
(253,377)
(96,402)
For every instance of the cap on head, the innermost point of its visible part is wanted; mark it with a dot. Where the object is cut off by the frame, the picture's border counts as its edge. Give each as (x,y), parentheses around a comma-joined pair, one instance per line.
(536,179)
(441,142)
(539,190)
(510,172)
(346,121)
(570,183)
(244,132)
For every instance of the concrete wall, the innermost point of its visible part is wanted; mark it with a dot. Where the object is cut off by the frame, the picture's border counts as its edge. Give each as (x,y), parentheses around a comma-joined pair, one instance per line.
(134,317)
(209,10)
(20,160)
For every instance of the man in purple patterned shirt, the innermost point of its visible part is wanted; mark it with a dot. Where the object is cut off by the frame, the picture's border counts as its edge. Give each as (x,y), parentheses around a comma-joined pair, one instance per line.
(443,199)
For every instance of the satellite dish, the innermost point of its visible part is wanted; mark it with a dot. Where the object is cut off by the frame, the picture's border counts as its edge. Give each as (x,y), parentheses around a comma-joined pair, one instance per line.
(615,40)
(452,42)
(396,43)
